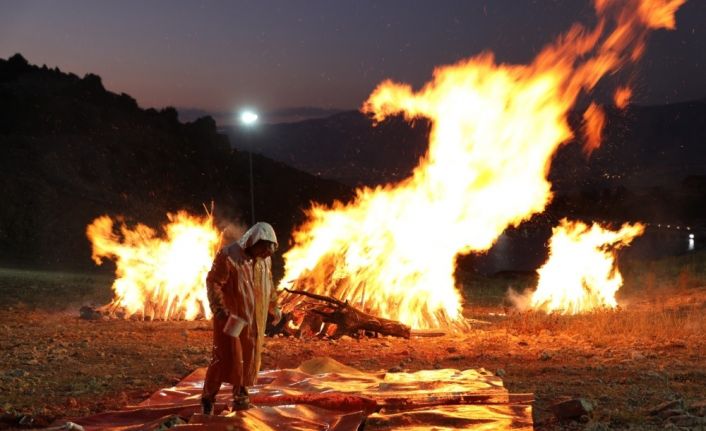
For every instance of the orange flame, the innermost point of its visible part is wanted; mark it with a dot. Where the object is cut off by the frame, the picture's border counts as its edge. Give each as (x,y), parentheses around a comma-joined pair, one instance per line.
(622,97)
(495,127)
(594,120)
(581,273)
(660,13)
(159,276)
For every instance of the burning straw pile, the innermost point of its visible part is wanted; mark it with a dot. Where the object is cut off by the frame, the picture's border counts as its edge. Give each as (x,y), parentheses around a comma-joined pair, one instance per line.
(494,131)
(159,275)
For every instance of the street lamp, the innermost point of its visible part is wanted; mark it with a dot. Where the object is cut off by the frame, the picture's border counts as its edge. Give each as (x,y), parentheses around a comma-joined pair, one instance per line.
(248,119)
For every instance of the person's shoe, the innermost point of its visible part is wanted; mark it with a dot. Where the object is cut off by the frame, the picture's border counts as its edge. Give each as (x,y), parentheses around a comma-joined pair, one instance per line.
(206,406)
(241,401)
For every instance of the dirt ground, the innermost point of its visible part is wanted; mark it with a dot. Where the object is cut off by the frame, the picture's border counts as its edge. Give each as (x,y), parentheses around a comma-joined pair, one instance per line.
(54,364)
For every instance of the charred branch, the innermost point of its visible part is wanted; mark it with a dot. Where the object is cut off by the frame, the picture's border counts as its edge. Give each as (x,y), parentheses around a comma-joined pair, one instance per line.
(350,320)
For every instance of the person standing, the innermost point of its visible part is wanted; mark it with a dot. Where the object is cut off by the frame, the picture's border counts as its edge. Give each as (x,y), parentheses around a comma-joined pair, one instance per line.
(240,294)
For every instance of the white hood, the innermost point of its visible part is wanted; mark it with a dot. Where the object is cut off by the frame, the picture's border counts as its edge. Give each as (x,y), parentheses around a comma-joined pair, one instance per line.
(259,231)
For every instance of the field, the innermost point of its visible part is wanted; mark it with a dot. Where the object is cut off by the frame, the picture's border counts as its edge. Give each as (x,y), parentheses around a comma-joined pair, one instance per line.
(626,362)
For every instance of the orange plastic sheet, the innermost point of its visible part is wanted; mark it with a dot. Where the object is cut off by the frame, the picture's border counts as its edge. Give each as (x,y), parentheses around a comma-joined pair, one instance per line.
(322,394)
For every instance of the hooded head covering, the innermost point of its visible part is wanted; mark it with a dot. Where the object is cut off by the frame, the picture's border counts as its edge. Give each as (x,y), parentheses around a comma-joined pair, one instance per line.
(258,232)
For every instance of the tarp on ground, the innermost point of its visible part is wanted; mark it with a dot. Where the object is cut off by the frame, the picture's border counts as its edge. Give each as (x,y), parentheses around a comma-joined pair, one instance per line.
(322,394)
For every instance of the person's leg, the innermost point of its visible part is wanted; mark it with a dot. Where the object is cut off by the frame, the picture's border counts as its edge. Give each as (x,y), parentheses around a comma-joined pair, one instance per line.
(241,400)
(211,385)
(248,342)
(239,403)
(217,368)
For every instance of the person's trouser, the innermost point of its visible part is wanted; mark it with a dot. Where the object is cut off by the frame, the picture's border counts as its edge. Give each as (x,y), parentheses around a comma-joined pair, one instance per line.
(227,363)
(250,368)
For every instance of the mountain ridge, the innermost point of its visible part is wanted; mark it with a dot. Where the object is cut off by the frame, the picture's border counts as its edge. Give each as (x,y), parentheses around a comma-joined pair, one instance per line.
(70,151)
(347,147)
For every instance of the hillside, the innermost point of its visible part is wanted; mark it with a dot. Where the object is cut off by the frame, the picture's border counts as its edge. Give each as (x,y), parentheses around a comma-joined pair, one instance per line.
(643,146)
(650,165)
(345,146)
(70,150)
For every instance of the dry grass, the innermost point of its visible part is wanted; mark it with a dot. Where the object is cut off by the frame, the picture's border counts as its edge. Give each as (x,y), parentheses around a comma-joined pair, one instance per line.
(680,273)
(52,290)
(660,301)
(618,327)
(626,361)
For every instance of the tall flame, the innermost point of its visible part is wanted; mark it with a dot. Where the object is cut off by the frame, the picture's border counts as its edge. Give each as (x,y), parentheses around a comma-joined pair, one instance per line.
(160,276)
(581,273)
(494,130)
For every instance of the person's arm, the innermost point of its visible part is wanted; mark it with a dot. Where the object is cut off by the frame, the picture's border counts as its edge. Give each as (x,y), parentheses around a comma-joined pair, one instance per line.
(216,278)
(273,308)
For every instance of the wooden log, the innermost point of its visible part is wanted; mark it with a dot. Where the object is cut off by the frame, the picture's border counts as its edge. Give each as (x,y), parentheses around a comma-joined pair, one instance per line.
(350,320)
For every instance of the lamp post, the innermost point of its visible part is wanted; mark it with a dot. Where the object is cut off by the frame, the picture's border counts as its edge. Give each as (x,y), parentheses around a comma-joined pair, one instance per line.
(248,120)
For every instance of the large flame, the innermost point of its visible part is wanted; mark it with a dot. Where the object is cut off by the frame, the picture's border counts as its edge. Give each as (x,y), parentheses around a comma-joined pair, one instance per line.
(581,273)
(494,130)
(158,276)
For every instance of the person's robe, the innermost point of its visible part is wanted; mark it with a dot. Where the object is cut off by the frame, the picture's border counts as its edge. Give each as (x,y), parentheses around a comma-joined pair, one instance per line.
(243,287)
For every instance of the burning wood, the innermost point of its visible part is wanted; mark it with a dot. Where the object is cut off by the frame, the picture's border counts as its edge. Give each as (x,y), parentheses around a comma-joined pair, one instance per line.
(347,319)
(150,312)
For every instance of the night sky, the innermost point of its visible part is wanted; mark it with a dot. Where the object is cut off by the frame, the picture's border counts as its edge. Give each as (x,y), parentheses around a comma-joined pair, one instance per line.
(220,56)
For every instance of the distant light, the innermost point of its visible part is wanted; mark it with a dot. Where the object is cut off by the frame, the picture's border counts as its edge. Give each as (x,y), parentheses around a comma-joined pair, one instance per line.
(691,236)
(248,118)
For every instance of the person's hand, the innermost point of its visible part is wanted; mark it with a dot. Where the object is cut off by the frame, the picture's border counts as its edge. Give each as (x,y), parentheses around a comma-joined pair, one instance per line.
(276,316)
(221,314)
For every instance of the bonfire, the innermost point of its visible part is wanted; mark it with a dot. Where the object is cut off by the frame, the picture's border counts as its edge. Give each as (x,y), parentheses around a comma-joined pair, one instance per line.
(391,252)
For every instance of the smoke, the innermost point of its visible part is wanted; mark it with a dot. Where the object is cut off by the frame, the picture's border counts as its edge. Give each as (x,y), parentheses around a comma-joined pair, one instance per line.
(519,301)
(230,231)
(228,221)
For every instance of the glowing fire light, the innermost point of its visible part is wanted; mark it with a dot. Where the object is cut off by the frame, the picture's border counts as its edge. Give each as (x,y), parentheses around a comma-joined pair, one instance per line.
(581,273)
(494,130)
(594,120)
(622,97)
(158,276)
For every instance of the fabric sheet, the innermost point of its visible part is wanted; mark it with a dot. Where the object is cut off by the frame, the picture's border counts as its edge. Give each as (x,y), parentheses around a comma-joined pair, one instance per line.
(322,394)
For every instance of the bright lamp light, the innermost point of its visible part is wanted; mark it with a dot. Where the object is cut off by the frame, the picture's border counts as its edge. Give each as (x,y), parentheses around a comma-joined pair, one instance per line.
(248,117)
